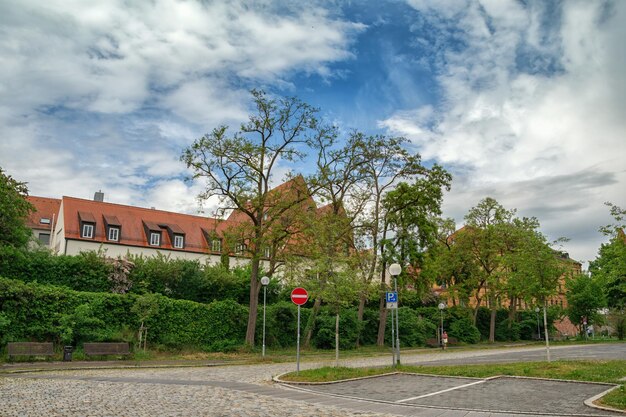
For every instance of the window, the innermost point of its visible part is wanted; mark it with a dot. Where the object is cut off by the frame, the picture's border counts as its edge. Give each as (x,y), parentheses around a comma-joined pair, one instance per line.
(179,241)
(216,245)
(44,220)
(266,252)
(87,231)
(114,234)
(44,238)
(240,248)
(155,238)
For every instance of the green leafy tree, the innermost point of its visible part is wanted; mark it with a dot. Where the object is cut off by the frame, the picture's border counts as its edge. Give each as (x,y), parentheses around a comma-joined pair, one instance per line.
(584,298)
(410,212)
(609,267)
(240,168)
(14,209)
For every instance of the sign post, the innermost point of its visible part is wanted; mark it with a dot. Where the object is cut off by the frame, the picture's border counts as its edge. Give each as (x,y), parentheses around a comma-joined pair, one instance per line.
(391,298)
(299,296)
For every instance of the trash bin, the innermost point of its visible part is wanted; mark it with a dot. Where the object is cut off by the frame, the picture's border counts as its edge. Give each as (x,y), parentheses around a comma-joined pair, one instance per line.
(67,353)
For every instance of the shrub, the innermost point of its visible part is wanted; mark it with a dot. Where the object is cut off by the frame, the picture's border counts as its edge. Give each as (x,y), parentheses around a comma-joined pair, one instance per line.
(464,331)
(324,337)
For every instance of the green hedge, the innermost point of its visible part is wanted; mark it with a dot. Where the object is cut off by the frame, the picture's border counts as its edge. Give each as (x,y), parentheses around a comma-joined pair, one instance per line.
(29,311)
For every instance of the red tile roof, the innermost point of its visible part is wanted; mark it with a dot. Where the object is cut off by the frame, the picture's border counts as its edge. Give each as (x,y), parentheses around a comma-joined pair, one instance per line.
(46,208)
(131,221)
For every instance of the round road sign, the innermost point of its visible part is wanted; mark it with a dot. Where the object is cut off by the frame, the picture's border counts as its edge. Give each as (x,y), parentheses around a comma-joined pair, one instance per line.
(299,296)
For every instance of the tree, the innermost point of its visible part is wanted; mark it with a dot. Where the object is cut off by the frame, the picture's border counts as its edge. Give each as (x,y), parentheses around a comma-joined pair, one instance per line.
(14,208)
(411,210)
(584,298)
(240,170)
(330,235)
(609,267)
(385,161)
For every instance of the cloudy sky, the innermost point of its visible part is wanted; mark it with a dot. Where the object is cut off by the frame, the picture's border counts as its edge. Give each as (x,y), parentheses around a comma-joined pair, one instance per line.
(524,101)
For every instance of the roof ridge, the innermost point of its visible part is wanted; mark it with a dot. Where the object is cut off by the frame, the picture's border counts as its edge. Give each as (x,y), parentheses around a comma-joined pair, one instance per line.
(140,208)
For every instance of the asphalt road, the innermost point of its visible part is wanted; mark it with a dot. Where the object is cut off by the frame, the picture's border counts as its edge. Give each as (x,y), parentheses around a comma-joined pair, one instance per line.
(535,354)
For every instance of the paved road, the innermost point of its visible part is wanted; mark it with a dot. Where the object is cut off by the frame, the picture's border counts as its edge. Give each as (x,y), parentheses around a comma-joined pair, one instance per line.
(218,391)
(534,354)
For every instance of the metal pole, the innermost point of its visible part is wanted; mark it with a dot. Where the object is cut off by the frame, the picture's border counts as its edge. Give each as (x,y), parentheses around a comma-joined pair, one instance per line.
(441,315)
(393,341)
(298,351)
(264,297)
(395,281)
(545,330)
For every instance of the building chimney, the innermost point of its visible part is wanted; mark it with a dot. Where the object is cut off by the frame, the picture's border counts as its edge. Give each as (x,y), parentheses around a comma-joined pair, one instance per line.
(98,196)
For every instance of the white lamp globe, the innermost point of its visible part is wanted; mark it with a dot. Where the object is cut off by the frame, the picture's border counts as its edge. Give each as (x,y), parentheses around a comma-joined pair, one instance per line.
(265,280)
(395,269)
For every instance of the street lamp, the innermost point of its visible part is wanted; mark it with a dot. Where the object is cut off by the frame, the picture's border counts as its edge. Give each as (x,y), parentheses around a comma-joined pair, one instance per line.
(441,306)
(538,328)
(394,270)
(264,281)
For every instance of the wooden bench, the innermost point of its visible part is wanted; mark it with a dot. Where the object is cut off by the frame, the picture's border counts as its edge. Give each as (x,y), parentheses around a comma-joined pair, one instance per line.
(106,348)
(29,349)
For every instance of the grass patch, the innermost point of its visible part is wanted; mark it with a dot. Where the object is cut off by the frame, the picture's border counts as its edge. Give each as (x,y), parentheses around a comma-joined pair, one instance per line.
(615,398)
(589,371)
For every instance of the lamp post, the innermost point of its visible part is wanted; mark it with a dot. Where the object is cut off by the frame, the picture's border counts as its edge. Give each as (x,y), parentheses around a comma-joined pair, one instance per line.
(394,270)
(538,328)
(441,306)
(264,281)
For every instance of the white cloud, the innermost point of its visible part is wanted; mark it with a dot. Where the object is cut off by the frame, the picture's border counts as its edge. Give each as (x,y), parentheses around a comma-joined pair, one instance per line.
(105,95)
(523,103)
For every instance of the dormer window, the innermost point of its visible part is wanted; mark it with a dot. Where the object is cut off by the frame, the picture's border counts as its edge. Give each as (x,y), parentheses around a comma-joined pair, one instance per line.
(44,220)
(179,241)
(87,231)
(87,225)
(114,234)
(155,238)
(113,227)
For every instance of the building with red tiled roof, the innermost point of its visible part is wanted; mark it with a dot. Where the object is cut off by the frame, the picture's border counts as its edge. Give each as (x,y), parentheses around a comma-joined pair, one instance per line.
(41,221)
(75,225)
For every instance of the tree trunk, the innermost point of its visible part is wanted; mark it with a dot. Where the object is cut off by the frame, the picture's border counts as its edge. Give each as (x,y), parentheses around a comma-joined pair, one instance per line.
(254,301)
(310,325)
(337,341)
(359,316)
(382,311)
(512,310)
(492,321)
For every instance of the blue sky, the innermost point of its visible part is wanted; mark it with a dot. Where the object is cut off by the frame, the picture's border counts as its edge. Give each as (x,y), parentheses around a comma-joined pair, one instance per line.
(523,101)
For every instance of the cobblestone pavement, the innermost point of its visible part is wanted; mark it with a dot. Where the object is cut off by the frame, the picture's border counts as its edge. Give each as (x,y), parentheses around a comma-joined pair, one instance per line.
(199,391)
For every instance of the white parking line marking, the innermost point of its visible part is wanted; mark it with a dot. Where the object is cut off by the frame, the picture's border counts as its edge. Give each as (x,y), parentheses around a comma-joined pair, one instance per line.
(445,390)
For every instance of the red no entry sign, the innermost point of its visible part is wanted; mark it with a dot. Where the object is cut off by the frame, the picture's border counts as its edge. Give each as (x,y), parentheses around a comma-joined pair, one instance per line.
(299,296)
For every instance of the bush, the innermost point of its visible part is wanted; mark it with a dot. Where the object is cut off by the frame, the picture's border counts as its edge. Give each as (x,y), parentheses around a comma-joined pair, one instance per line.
(464,331)
(47,313)
(508,330)
(87,271)
(324,338)
(414,329)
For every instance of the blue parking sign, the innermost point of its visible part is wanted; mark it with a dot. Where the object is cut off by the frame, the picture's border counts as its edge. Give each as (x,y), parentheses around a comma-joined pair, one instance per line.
(392,296)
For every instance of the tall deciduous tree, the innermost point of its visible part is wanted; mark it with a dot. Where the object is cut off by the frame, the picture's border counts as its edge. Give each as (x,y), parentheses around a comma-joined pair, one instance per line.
(239,168)
(14,208)
(609,267)
(330,237)
(410,213)
(385,162)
